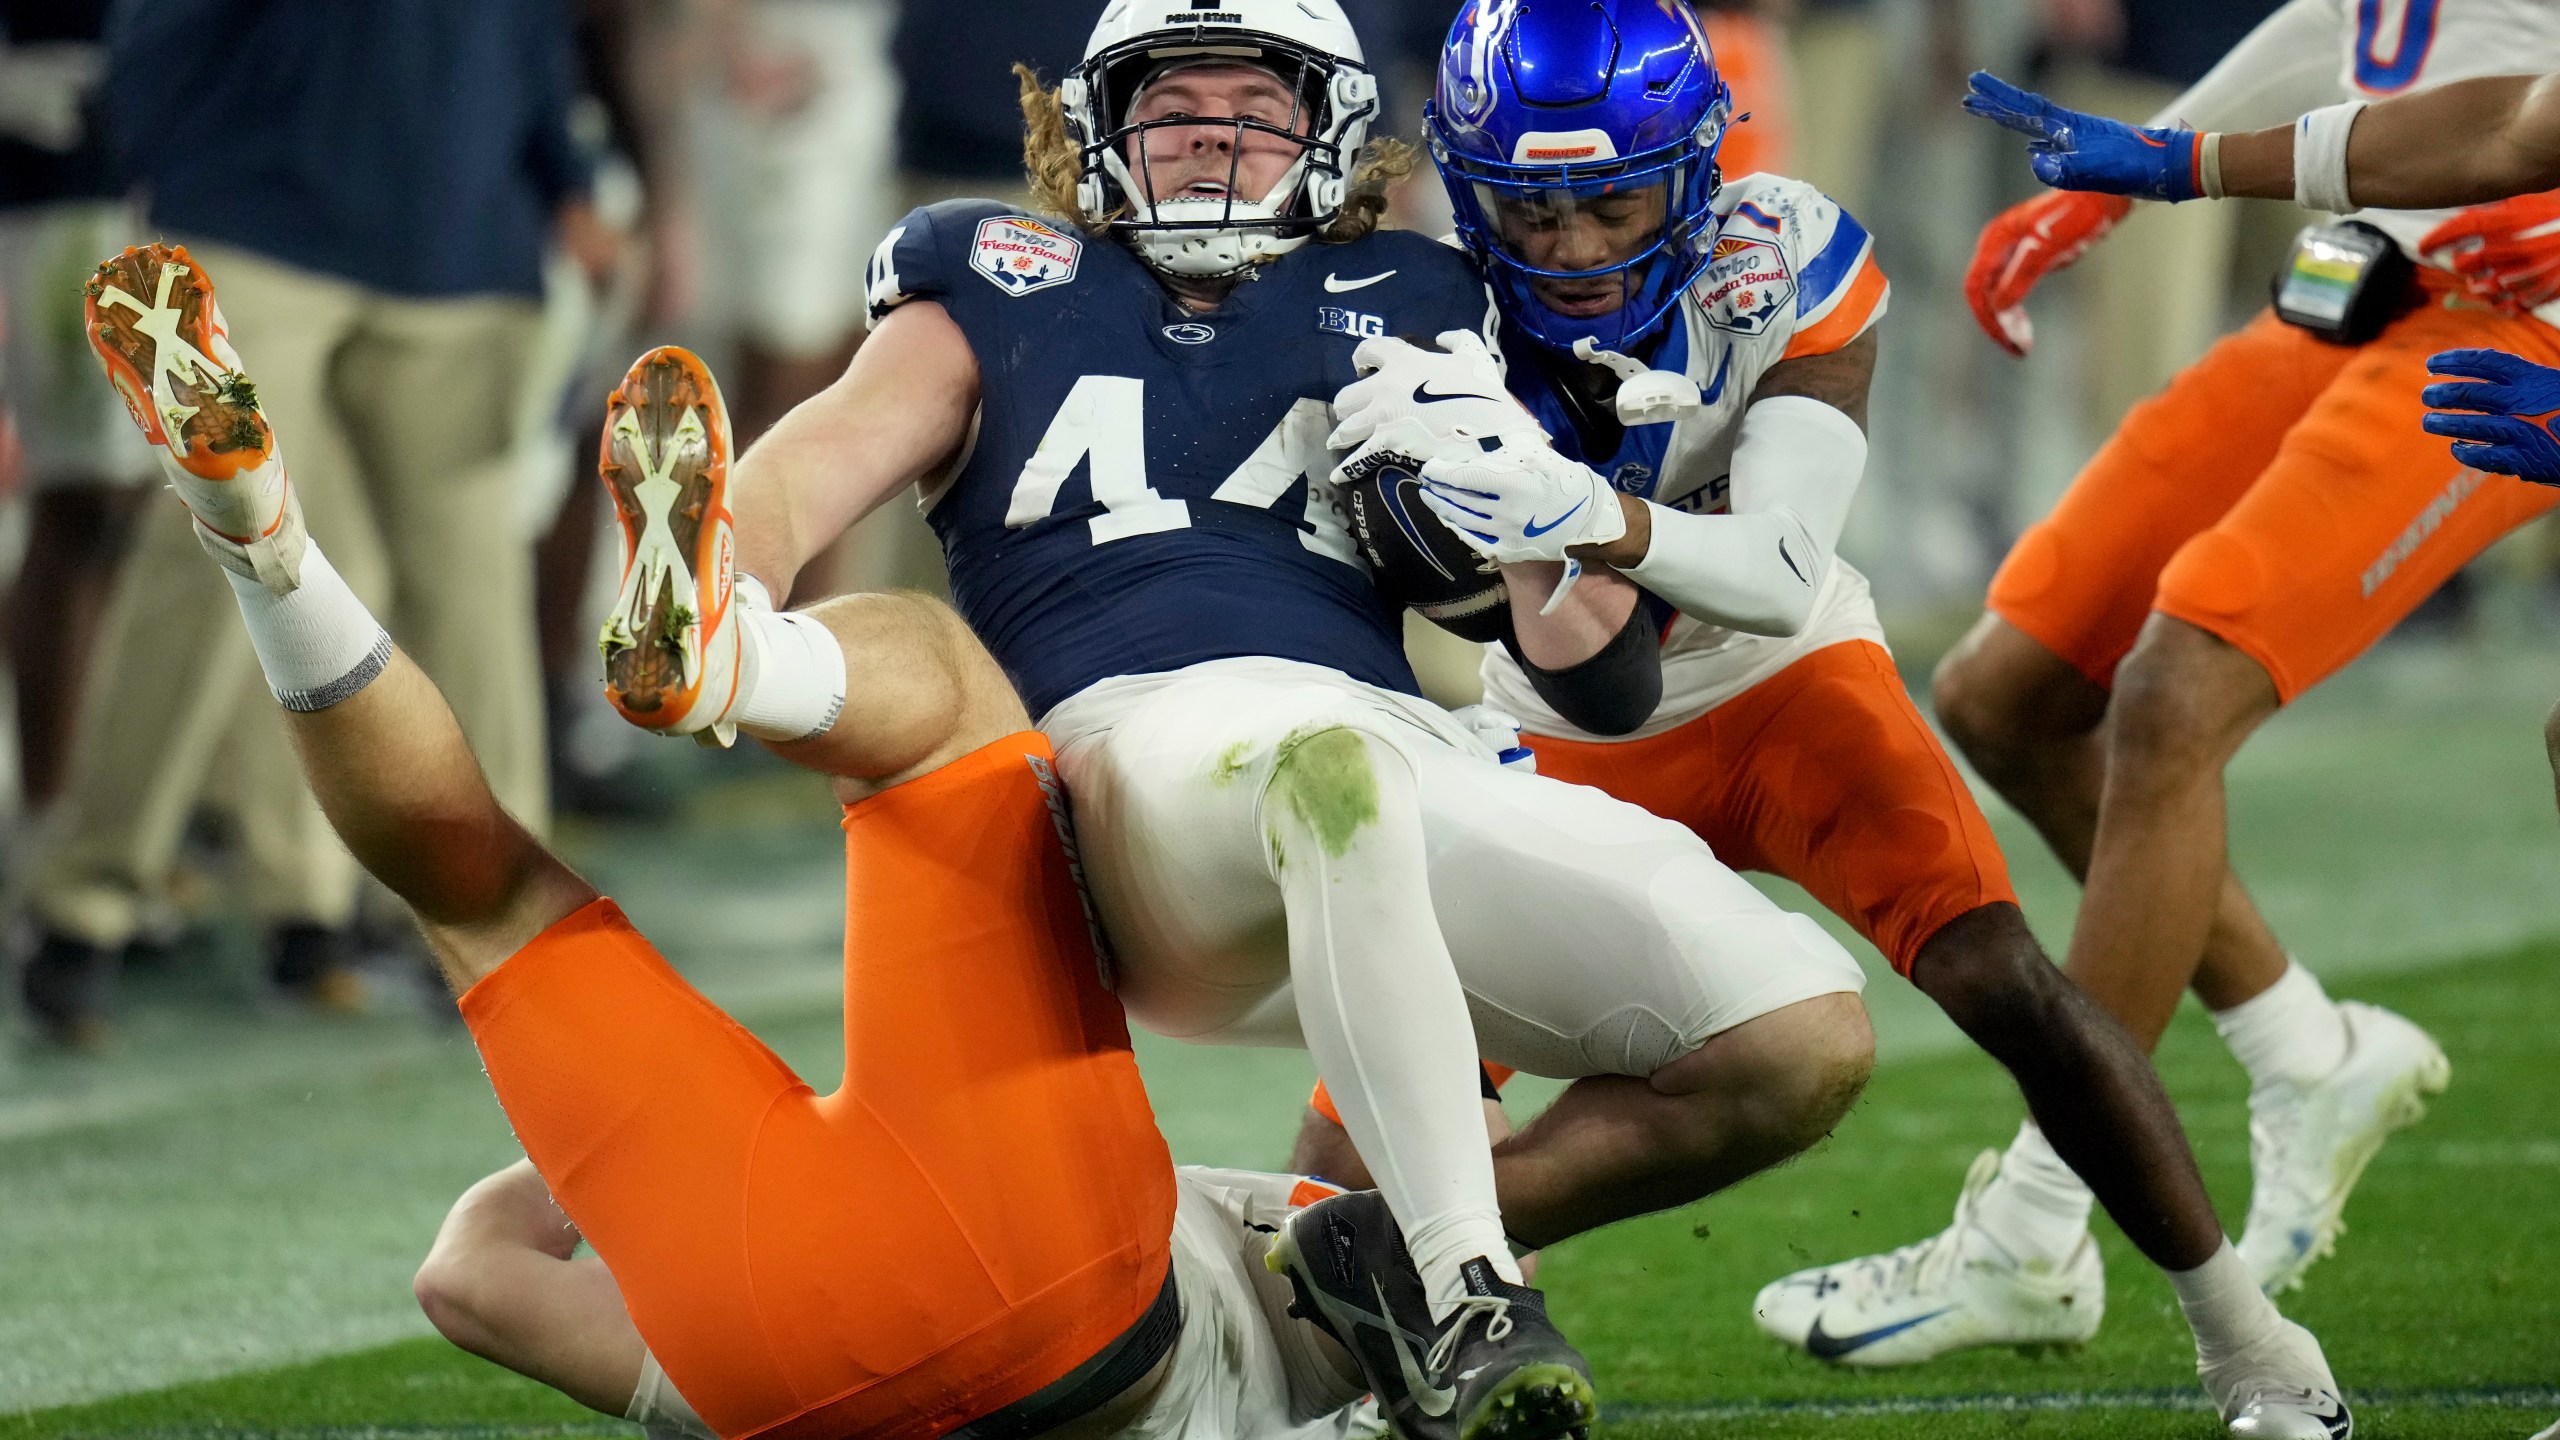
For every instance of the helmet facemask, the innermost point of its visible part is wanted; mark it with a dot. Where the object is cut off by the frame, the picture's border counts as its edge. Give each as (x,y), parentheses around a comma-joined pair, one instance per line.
(1323,121)
(1590,251)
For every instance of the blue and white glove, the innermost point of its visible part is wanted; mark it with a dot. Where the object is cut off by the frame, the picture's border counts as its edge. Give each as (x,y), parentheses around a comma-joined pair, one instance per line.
(1522,502)
(2070,150)
(2502,391)
(1457,398)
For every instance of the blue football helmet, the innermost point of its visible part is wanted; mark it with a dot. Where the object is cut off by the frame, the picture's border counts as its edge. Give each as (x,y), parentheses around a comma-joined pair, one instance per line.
(1578,139)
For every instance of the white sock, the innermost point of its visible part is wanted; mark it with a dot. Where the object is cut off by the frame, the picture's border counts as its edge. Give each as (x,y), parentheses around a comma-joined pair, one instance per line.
(2290,1031)
(1379,1000)
(792,686)
(317,644)
(2037,1209)
(2224,1306)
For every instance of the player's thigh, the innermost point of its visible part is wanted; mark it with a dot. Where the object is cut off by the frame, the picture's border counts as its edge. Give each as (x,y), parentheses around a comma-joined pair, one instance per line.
(644,1108)
(2361,514)
(2081,581)
(1839,785)
(1594,938)
(1168,818)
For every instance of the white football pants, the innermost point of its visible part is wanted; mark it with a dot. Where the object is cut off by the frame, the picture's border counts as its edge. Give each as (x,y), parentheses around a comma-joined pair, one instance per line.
(1458,909)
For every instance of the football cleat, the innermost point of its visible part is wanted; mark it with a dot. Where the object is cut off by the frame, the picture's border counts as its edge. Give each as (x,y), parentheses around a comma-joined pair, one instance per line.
(671,649)
(1955,1290)
(152,319)
(2309,1143)
(1495,1369)
(2278,1389)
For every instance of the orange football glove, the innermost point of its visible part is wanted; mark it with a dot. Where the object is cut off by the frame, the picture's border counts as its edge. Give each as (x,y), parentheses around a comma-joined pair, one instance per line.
(2022,245)
(2506,253)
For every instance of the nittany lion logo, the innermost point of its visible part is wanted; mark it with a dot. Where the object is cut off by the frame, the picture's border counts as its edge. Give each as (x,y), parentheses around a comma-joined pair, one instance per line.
(1020,255)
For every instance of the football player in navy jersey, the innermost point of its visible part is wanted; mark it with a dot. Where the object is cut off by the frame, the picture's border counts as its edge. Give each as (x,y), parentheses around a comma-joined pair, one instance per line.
(1115,414)
(1700,352)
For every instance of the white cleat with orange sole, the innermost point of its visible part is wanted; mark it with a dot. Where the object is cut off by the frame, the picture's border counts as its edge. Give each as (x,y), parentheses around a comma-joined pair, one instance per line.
(672,648)
(153,322)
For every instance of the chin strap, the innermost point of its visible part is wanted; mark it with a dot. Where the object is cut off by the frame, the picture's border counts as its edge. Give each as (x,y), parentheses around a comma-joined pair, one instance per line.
(1646,396)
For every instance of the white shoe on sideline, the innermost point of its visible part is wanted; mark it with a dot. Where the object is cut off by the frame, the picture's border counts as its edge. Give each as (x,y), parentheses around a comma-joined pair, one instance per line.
(2309,1144)
(1956,1290)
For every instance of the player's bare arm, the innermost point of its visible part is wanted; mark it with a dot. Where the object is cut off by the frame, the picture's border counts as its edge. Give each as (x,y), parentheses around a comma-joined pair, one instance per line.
(898,416)
(2466,142)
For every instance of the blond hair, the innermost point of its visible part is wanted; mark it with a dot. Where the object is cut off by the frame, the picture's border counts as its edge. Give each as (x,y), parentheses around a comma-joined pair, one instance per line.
(1054,165)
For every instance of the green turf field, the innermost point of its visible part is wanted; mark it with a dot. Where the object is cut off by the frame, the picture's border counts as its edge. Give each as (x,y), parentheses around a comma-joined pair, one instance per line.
(212,1235)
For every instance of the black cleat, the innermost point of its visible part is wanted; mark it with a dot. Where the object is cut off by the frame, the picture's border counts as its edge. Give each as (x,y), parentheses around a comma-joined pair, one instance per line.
(1516,1377)
(1496,1370)
(65,986)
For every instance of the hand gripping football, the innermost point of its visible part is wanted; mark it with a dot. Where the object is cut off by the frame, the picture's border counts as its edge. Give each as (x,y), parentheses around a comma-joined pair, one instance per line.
(1416,561)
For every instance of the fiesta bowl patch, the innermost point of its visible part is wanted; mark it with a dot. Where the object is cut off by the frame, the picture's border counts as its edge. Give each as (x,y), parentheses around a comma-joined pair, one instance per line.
(1745,285)
(1019,256)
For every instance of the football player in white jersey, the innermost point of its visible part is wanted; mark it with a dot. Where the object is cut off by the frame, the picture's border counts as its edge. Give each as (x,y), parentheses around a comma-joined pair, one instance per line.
(2245,534)
(1700,355)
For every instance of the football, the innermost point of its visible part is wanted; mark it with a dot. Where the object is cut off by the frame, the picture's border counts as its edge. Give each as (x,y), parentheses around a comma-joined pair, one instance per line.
(1414,559)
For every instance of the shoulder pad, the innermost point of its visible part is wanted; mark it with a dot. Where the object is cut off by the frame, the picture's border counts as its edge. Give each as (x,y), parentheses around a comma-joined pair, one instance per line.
(1789,261)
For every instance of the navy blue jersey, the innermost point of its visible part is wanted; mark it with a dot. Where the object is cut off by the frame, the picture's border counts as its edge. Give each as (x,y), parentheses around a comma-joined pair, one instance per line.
(1147,486)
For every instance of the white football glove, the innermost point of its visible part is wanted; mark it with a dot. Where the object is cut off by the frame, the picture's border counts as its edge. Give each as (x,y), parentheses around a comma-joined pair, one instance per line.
(1522,502)
(1457,397)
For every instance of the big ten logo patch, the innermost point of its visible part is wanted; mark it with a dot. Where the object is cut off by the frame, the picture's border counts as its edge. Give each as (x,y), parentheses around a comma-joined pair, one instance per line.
(1334,320)
(1745,285)
(1019,255)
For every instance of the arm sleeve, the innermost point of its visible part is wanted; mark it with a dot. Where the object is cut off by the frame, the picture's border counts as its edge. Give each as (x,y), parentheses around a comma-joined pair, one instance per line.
(2288,65)
(1614,691)
(1796,468)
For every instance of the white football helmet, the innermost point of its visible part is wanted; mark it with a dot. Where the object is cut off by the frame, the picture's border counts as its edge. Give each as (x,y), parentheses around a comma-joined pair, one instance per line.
(1308,44)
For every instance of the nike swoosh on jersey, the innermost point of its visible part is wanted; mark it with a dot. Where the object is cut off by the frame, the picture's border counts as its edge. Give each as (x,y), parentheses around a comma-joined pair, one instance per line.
(1714,392)
(1533,529)
(1430,1399)
(1335,285)
(1832,1347)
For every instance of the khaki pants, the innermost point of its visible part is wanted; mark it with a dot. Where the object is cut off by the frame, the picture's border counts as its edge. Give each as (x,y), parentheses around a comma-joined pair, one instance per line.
(394,416)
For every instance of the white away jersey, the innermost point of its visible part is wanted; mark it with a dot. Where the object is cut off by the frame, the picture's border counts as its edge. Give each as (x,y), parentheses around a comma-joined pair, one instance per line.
(1792,274)
(2389,47)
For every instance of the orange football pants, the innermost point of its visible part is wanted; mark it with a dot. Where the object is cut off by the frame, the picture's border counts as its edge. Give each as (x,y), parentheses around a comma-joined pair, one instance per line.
(2278,494)
(981,1206)
(1824,774)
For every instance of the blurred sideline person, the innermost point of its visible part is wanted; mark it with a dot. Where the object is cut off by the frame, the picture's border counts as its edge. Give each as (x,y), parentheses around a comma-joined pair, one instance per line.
(1697,356)
(379,201)
(61,206)
(805,132)
(2243,536)
(980,1231)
